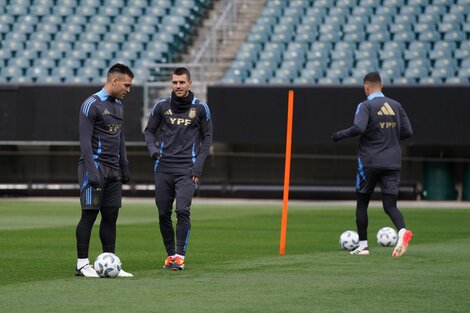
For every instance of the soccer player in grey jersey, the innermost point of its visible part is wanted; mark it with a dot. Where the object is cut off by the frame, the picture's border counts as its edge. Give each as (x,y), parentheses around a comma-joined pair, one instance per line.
(103,165)
(184,127)
(380,123)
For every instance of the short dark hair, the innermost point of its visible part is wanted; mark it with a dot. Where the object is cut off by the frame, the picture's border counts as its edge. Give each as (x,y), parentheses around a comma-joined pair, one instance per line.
(373,77)
(182,71)
(121,69)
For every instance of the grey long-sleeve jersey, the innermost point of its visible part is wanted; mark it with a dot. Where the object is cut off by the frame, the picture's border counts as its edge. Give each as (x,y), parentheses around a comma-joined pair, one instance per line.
(381,123)
(183,139)
(101,135)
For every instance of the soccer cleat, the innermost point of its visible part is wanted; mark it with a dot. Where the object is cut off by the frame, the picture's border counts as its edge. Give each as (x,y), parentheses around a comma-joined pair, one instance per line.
(123,273)
(402,244)
(178,264)
(169,263)
(359,251)
(86,271)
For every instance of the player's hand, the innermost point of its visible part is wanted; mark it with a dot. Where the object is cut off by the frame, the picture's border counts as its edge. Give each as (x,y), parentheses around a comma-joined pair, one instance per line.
(125,175)
(335,137)
(196,182)
(156,156)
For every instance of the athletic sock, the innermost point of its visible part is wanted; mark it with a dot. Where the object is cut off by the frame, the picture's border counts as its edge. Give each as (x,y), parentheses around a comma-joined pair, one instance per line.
(363,244)
(82,262)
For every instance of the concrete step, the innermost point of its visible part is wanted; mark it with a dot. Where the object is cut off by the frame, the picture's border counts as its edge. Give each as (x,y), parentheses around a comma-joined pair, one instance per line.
(248,12)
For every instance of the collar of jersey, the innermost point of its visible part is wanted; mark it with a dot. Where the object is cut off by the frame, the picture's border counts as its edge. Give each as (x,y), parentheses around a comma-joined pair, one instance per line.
(375,95)
(102,94)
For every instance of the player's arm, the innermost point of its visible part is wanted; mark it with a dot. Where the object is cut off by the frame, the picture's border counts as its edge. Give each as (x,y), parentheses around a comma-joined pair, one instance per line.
(123,161)
(206,141)
(86,124)
(153,124)
(359,127)
(405,128)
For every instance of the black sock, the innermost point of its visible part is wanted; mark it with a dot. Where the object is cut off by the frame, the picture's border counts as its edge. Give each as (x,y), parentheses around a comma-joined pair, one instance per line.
(362,220)
(109,217)
(83,232)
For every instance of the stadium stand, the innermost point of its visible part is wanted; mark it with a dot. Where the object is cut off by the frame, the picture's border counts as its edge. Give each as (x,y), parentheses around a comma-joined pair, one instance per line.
(75,41)
(338,41)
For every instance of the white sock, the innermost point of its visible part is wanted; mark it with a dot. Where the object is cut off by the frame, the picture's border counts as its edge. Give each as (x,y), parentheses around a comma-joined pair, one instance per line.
(181,256)
(401,232)
(82,262)
(363,244)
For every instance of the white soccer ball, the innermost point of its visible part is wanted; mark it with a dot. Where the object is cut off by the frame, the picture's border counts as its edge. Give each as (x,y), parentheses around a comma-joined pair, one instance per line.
(349,240)
(107,265)
(387,237)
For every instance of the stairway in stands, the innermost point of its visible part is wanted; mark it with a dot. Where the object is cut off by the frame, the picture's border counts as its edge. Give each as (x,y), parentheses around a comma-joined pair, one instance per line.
(248,12)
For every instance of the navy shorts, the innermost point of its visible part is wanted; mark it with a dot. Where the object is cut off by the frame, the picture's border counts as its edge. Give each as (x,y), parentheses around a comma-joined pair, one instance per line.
(368,178)
(109,192)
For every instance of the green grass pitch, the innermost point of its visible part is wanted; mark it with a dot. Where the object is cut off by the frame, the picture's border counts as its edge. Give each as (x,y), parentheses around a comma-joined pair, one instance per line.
(233,262)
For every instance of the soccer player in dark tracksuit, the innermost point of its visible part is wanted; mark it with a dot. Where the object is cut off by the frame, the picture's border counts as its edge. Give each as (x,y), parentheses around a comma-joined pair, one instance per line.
(103,165)
(184,126)
(380,123)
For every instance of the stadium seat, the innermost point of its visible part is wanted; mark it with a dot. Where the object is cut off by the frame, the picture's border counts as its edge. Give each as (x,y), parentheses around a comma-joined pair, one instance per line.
(403,81)
(430,80)
(371,64)
(443,72)
(352,81)
(416,72)
(379,36)
(415,54)
(457,80)
(312,73)
(329,81)
(419,62)
(71,63)
(454,35)
(429,36)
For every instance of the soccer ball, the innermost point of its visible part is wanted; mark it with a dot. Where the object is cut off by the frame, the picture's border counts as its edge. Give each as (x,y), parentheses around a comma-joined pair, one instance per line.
(107,265)
(349,240)
(387,237)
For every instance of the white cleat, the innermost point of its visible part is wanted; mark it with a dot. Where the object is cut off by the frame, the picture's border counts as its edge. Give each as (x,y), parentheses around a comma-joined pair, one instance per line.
(358,251)
(123,273)
(86,271)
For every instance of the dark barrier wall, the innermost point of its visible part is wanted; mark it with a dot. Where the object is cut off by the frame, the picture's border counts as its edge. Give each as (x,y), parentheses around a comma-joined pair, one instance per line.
(257,115)
(249,129)
(50,113)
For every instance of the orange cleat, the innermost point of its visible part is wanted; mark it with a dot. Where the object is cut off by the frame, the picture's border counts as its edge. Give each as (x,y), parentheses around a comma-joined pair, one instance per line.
(402,244)
(169,263)
(178,264)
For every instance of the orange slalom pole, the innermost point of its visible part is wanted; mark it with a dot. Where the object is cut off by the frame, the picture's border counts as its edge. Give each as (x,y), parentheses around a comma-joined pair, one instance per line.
(285,202)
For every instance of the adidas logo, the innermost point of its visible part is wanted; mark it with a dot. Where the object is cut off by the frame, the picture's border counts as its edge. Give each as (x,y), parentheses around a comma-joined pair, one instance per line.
(169,112)
(106,112)
(386,109)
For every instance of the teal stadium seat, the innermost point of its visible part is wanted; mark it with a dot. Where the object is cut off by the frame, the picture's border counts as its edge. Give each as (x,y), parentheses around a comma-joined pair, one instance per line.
(329,81)
(433,80)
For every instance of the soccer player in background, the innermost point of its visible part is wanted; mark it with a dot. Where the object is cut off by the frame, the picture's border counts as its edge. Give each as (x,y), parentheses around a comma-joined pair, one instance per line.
(103,165)
(380,123)
(184,127)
